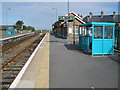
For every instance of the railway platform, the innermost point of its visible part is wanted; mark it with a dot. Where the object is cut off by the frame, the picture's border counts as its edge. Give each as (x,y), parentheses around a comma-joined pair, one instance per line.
(12,37)
(58,64)
(35,73)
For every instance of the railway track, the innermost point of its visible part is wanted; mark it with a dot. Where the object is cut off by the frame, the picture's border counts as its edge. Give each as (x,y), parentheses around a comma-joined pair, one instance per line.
(12,67)
(10,53)
(15,42)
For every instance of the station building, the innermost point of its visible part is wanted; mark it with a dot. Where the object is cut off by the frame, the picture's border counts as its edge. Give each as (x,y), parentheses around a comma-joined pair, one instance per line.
(67,31)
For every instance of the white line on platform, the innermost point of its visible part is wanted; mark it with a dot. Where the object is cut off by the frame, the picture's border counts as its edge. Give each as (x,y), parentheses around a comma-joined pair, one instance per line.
(17,79)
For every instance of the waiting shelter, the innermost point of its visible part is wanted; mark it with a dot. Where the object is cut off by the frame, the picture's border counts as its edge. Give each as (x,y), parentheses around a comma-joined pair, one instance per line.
(97,37)
(10,30)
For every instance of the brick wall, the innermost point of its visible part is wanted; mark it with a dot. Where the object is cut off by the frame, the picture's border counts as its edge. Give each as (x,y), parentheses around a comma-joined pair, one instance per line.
(63,30)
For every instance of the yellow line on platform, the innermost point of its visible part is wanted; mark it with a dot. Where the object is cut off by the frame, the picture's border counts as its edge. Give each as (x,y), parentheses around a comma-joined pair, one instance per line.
(37,73)
(43,73)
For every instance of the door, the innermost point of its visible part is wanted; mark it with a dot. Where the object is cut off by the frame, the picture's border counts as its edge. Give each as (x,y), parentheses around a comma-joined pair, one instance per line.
(108,42)
(97,43)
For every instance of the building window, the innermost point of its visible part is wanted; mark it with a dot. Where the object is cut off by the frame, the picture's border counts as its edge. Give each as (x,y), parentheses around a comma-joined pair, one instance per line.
(76,29)
(70,30)
(89,31)
(82,31)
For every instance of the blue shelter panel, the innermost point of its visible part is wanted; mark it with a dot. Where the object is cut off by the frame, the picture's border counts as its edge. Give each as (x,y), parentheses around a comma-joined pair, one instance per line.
(84,42)
(108,47)
(97,47)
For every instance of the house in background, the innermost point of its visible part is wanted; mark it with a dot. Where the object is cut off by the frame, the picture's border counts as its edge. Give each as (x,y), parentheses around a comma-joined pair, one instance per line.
(67,31)
(115,18)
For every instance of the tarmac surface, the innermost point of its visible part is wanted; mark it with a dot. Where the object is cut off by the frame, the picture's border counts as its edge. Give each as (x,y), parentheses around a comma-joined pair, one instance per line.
(71,68)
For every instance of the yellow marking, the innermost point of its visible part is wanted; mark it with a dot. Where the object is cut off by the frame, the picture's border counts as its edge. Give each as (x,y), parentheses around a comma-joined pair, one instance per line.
(43,73)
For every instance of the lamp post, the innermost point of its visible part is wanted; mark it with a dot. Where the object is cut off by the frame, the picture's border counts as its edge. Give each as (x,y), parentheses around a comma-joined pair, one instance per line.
(22,21)
(7,16)
(68,7)
(56,12)
(119,7)
(74,31)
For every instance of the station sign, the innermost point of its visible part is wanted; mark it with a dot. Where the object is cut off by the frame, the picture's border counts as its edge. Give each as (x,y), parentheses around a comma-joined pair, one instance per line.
(66,18)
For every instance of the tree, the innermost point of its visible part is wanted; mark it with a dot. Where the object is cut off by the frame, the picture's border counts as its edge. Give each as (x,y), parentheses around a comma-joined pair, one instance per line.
(24,27)
(31,28)
(19,25)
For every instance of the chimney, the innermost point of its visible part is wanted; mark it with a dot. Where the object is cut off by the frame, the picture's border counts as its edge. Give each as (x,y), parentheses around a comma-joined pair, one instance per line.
(102,13)
(91,14)
(114,14)
(80,15)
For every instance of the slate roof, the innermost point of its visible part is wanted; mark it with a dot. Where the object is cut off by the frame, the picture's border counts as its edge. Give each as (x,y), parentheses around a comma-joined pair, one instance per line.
(105,18)
(76,16)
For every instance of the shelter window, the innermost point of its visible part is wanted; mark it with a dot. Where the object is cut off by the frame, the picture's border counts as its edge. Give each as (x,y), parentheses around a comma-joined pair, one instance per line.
(98,32)
(108,32)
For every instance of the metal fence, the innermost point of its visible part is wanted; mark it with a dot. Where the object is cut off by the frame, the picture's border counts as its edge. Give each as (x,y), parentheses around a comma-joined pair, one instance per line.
(117,38)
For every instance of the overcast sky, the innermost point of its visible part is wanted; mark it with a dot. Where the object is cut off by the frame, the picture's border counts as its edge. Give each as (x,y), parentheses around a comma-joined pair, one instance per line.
(41,15)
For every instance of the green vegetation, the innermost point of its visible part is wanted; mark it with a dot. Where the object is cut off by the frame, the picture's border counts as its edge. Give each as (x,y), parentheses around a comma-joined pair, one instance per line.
(20,27)
(31,28)
(38,31)
(24,27)
(42,31)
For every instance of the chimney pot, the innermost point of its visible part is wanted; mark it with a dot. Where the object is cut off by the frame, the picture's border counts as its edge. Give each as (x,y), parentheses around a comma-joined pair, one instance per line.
(91,14)
(114,13)
(80,15)
(102,13)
